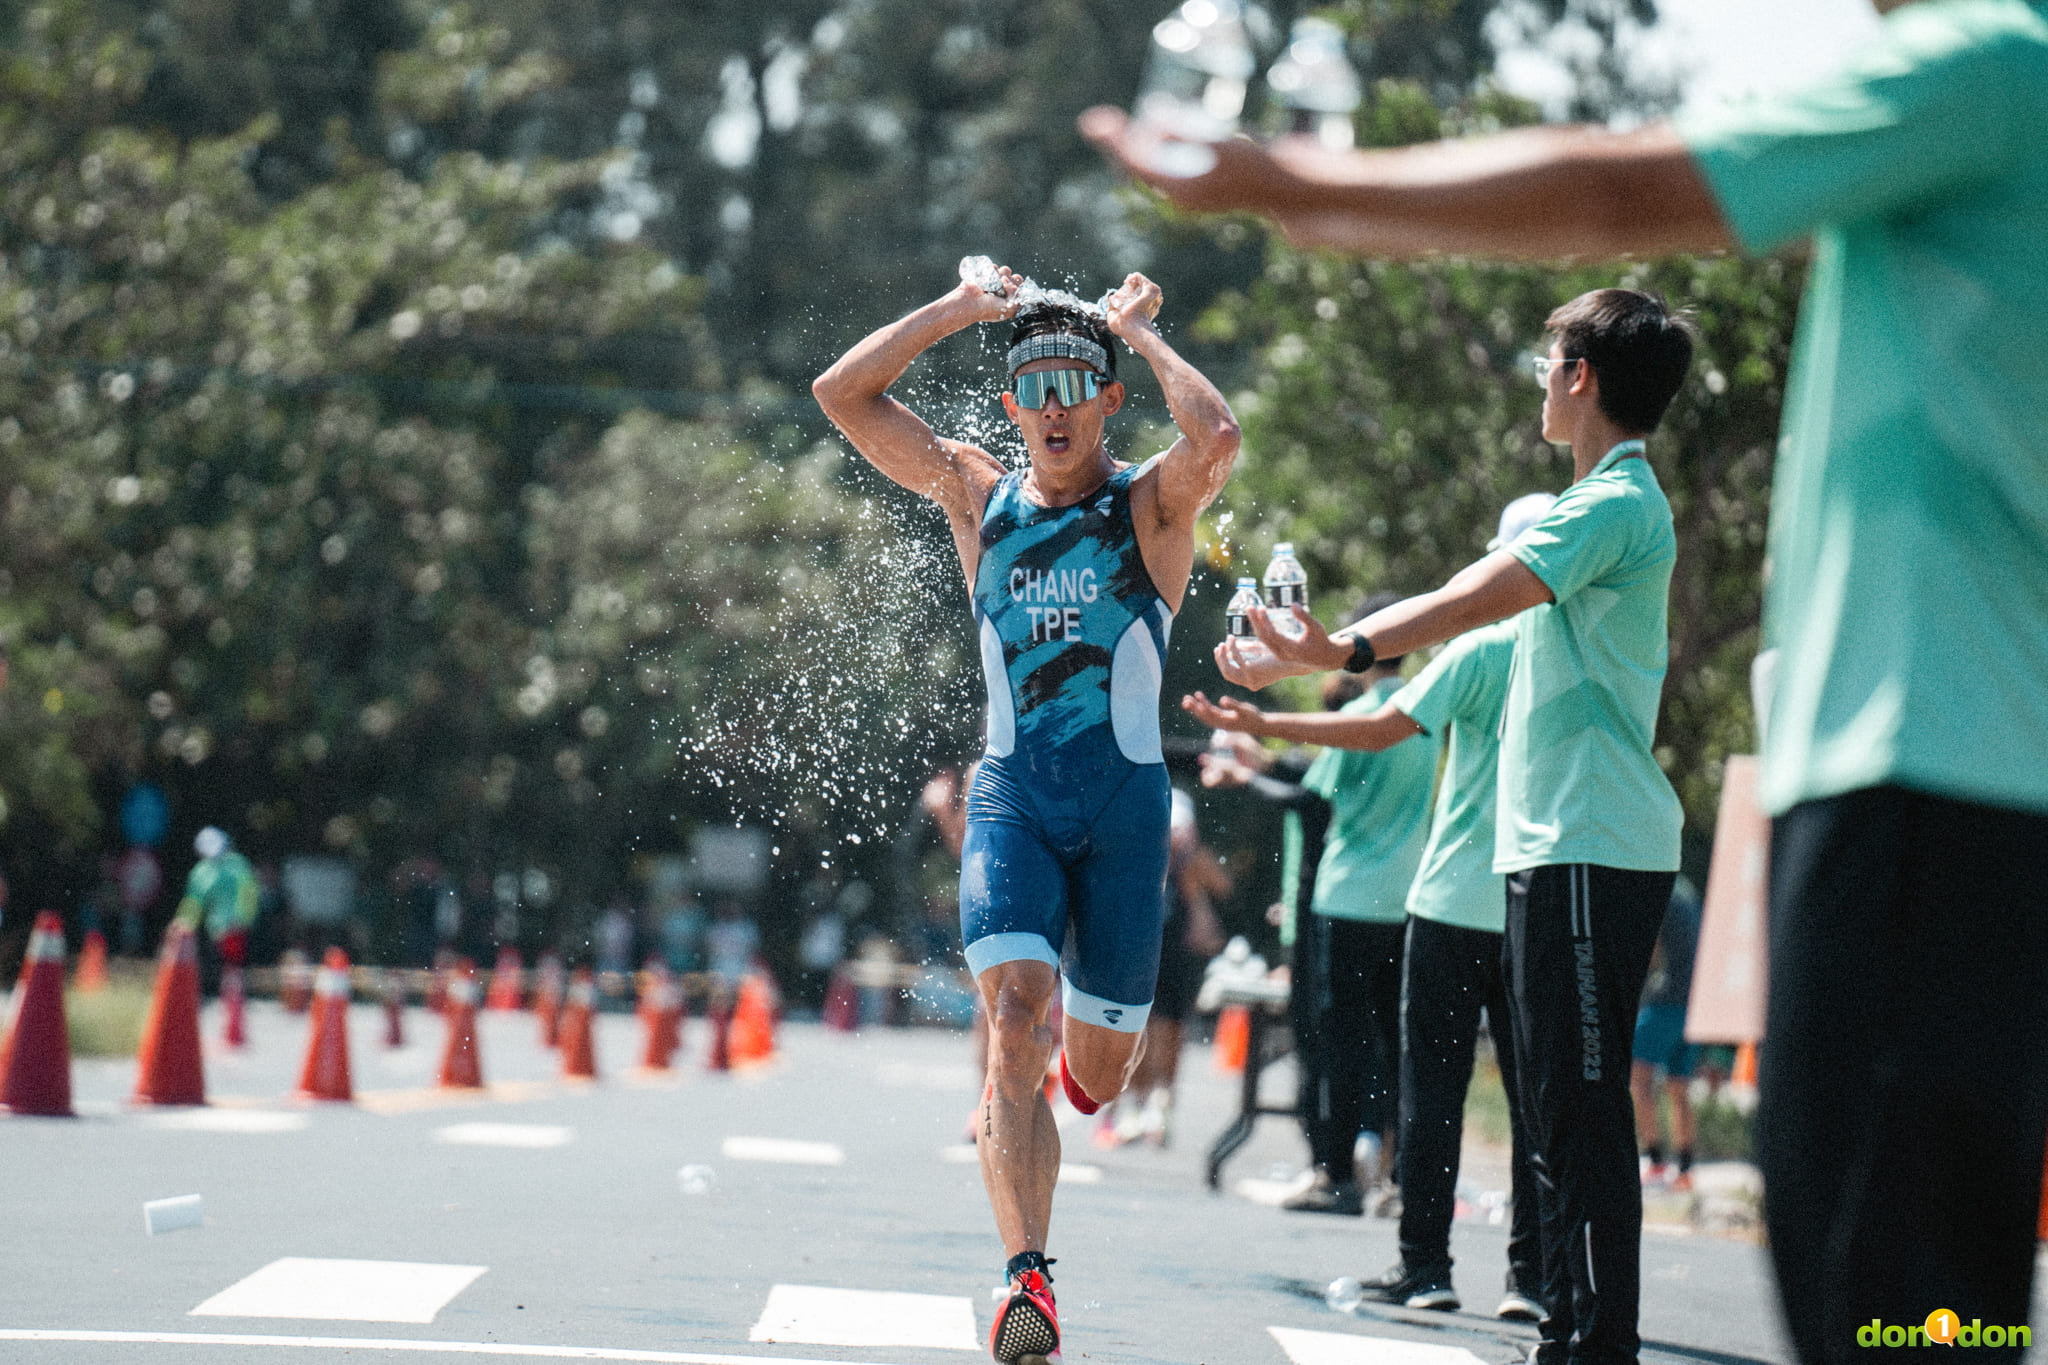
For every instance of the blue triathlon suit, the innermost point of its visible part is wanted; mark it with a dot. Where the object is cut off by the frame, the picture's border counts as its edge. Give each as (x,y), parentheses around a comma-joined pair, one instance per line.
(1065,856)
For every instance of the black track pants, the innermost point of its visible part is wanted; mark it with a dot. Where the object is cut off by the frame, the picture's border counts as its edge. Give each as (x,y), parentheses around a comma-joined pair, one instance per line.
(1447,976)
(1352,1006)
(1905,1064)
(1577,949)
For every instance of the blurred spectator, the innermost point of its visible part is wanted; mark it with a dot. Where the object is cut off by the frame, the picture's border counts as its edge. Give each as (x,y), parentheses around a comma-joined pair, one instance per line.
(615,935)
(1660,1046)
(682,934)
(732,942)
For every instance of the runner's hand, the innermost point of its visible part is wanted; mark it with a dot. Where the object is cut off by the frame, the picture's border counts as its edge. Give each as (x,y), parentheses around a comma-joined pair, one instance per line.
(987,307)
(1134,304)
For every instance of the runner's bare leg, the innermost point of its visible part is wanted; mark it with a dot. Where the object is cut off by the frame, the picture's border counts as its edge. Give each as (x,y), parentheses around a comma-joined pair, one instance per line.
(1018,1141)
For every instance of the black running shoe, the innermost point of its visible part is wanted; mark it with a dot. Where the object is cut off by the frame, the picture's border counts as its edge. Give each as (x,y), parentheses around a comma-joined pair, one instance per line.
(1397,1284)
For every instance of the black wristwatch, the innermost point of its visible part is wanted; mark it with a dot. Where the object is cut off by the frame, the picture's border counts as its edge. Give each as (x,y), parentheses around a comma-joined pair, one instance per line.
(1361,655)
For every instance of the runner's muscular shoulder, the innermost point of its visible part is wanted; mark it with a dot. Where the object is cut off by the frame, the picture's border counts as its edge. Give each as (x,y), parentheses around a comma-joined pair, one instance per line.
(964,497)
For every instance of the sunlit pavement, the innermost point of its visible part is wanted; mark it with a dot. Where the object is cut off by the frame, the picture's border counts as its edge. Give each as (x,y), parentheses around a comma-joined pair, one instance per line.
(705,1217)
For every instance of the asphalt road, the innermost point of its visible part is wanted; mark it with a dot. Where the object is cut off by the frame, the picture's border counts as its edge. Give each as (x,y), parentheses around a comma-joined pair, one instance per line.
(593,1236)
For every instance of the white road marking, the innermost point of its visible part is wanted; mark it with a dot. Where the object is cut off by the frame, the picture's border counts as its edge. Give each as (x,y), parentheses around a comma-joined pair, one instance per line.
(350,1291)
(859,1317)
(225,1121)
(505,1134)
(787,1151)
(1268,1192)
(1074,1173)
(1343,1348)
(399,1344)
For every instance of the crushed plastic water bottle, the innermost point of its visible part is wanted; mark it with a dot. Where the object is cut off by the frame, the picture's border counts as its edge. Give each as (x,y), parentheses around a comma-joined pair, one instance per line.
(980,271)
(1344,1294)
(697,1179)
(1195,81)
(1316,83)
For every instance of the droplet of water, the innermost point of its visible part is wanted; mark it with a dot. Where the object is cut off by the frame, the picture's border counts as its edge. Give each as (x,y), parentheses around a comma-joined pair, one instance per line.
(1344,1294)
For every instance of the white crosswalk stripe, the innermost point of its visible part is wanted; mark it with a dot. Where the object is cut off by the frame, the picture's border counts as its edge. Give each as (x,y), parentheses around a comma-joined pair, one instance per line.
(816,1316)
(1345,1348)
(505,1134)
(342,1291)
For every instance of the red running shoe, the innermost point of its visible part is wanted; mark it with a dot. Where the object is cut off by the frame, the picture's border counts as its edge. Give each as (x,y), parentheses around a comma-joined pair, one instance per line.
(1027,1327)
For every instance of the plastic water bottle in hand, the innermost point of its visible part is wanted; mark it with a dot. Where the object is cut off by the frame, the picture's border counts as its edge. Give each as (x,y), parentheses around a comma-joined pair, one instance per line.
(1316,83)
(1195,81)
(1286,587)
(1237,619)
(980,271)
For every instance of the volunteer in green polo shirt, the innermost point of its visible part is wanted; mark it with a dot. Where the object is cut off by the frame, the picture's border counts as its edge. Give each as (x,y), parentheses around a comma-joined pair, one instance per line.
(1451,966)
(1586,824)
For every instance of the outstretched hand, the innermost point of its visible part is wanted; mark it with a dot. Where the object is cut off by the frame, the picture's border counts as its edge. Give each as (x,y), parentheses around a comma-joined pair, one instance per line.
(1277,655)
(1224,770)
(1262,178)
(1224,713)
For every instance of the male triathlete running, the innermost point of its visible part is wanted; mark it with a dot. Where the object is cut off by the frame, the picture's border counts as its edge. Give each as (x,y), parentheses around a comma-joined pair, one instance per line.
(1076,565)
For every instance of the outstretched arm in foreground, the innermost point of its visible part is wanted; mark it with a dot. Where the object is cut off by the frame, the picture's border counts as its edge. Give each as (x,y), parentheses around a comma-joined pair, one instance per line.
(1493,589)
(1381,728)
(1548,193)
(854,394)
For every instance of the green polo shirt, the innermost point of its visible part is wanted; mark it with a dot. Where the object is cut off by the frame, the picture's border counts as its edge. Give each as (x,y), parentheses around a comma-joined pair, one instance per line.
(1379,820)
(1909,517)
(1578,781)
(1458,699)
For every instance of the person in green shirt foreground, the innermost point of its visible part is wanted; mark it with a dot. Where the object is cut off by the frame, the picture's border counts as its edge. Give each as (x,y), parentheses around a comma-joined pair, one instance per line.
(1347,955)
(1586,824)
(1905,1069)
(1457,911)
(220,895)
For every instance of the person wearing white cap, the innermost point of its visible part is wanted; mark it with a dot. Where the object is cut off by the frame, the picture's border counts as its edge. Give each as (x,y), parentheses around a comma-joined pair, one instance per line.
(1457,912)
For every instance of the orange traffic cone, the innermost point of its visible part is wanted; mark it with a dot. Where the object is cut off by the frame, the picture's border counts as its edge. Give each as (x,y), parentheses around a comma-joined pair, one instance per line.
(325,1075)
(753,1023)
(508,986)
(1233,1037)
(579,1055)
(1745,1065)
(91,974)
(460,1068)
(168,1068)
(294,981)
(2041,1221)
(661,1007)
(35,1049)
(549,983)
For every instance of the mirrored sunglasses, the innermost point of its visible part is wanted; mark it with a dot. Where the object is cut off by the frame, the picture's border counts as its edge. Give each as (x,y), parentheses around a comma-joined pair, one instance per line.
(1073,386)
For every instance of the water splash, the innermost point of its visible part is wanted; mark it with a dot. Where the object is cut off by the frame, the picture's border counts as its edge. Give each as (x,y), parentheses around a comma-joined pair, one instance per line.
(981,271)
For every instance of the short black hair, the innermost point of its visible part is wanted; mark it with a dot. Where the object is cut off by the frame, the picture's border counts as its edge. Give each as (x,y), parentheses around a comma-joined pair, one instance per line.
(1045,317)
(1638,347)
(1379,601)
